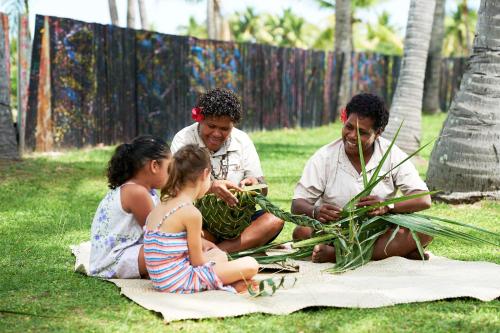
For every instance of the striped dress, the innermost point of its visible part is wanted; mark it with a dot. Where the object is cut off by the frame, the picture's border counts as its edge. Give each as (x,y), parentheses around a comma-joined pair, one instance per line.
(169,268)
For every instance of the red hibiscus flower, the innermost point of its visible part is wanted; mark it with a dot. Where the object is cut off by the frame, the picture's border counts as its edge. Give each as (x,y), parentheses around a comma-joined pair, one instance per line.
(197,115)
(343,115)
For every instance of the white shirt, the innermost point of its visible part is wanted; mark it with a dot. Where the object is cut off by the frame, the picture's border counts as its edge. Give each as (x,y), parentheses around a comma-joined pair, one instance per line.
(242,159)
(329,176)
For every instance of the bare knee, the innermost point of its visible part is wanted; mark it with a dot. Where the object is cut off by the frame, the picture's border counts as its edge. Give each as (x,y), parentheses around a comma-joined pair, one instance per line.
(424,239)
(276,225)
(301,233)
(250,267)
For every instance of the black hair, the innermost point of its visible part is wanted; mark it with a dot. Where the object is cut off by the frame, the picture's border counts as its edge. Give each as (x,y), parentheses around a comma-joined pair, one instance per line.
(371,106)
(186,166)
(131,157)
(220,102)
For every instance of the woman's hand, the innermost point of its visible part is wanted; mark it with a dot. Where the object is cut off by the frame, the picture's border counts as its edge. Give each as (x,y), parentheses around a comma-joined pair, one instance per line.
(373,200)
(249,181)
(326,213)
(221,189)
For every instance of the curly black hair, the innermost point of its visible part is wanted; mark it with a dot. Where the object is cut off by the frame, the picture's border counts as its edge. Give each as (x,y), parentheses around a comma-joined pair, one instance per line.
(371,106)
(220,102)
(131,157)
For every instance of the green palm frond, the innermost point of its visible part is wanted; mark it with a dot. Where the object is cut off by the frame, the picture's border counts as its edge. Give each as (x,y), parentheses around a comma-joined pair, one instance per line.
(226,222)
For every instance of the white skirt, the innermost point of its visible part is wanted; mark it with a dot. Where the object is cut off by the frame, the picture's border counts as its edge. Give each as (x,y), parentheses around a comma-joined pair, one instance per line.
(127,266)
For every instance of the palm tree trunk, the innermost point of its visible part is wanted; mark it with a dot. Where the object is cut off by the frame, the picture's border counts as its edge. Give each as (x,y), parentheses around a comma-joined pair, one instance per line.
(8,145)
(407,100)
(214,20)
(143,14)
(465,162)
(113,12)
(211,29)
(130,14)
(433,69)
(343,45)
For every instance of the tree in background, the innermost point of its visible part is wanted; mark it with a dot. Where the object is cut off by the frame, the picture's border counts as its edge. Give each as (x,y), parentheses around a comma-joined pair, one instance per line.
(217,25)
(381,37)
(465,161)
(343,45)
(355,6)
(459,30)
(288,30)
(195,29)
(113,12)
(325,38)
(248,26)
(407,100)
(143,14)
(131,14)
(343,38)
(430,103)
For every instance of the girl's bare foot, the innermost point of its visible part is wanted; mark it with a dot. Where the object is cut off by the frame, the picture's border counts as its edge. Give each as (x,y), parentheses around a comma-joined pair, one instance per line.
(241,286)
(323,253)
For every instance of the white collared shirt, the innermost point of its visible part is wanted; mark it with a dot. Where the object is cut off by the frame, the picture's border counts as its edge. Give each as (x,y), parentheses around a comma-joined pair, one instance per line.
(242,158)
(329,176)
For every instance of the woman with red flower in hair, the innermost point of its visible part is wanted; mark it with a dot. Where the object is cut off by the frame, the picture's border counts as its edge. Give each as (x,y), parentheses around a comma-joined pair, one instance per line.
(332,176)
(234,162)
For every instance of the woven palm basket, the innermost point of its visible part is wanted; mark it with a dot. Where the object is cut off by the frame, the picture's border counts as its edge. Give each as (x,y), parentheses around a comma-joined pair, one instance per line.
(226,222)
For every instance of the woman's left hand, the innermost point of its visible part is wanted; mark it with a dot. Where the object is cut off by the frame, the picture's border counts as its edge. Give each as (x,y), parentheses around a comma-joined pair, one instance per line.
(249,181)
(373,200)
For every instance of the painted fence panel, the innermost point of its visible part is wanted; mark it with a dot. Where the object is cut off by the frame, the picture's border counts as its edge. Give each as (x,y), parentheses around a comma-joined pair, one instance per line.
(105,84)
(8,144)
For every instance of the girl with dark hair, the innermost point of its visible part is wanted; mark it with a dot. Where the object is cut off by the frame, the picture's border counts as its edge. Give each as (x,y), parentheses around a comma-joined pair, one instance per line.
(135,170)
(172,241)
(234,163)
(332,176)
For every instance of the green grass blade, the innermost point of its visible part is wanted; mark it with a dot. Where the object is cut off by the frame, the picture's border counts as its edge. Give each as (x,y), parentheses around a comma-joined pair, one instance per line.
(255,250)
(384,157)
(419,244)
(431,228)
(314,241)
(362,210)
(393,235)
(459,224)
(361,158)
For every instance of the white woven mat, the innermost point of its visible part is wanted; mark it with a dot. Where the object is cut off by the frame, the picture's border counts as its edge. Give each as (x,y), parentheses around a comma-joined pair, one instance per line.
(382,283)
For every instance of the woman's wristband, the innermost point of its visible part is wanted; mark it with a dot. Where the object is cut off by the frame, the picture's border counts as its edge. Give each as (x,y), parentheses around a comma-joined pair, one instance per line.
(313,213)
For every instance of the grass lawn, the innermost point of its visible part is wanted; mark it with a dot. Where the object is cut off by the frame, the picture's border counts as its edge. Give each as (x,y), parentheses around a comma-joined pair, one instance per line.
(47,203)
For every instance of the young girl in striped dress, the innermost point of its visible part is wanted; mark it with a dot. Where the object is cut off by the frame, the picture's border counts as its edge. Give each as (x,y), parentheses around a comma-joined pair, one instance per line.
(172,239)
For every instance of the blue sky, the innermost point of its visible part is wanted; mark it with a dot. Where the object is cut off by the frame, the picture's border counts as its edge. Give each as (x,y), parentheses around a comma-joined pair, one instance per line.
(167,15)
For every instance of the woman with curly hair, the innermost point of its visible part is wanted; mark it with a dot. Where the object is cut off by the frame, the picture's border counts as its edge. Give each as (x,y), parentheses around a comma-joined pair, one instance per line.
(234,162)
(332,176)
